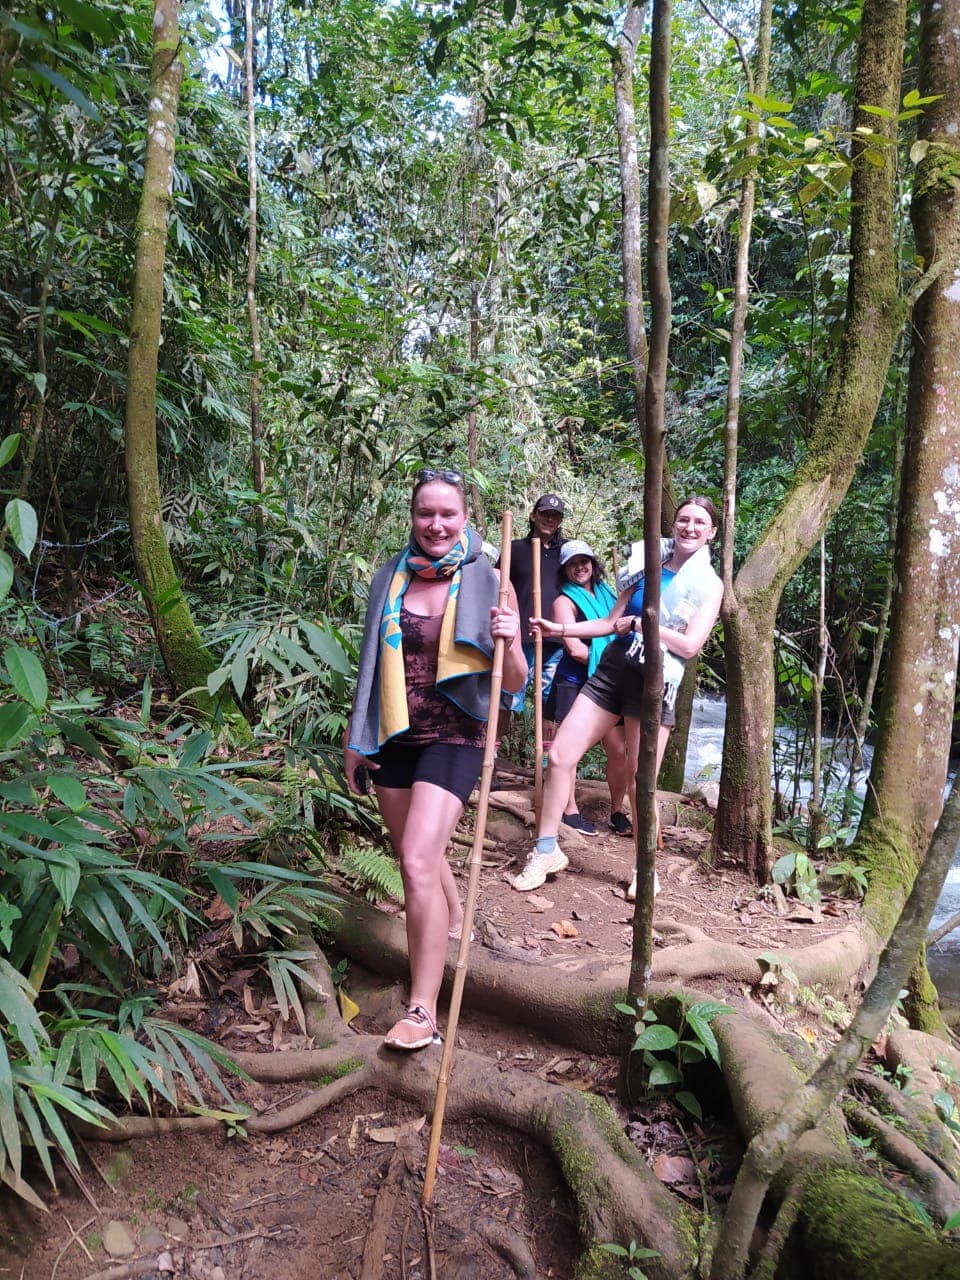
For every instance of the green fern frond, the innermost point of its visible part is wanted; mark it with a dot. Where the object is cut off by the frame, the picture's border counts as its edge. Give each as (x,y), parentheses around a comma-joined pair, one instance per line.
(376,873)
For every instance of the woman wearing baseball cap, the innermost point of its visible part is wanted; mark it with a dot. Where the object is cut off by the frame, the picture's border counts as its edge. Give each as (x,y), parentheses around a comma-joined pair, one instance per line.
(585,595)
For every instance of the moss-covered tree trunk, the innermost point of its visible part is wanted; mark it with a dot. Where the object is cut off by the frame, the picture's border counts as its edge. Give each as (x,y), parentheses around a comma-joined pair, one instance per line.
(840,429)
(187,661)
(909,768)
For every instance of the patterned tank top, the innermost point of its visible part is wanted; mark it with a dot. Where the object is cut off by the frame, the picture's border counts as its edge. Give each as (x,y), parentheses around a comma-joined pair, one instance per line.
(433,717)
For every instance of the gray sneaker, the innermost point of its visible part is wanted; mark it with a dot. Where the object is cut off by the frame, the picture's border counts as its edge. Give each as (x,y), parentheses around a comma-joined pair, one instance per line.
(539,866)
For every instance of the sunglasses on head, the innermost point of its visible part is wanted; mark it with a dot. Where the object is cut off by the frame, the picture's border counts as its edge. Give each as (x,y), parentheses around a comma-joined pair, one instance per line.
(425,474)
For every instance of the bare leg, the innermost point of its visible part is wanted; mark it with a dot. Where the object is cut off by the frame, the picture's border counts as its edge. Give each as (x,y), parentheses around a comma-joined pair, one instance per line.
(421,822)
(452,895)
(583,726)
(615,746)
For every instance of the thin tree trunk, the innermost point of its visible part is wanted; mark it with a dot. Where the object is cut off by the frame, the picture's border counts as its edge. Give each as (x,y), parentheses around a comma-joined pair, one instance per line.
(631,204)
(817,817)
(187,661)
(883,616)
(654,391)
(256,433)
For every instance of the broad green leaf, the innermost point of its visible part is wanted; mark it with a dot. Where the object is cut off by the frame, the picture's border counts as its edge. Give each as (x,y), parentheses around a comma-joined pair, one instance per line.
(22,522)
(9,914)
(326,647)
(239,674)
(663,1073)
(16,720)
(65,875)
(8,447)
(656,1038)
(16,1005)
(69,790)
(6,575)
(688,1101)
(26,675)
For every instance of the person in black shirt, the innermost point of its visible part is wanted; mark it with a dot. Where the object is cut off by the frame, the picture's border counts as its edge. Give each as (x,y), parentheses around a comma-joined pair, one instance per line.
(546,520)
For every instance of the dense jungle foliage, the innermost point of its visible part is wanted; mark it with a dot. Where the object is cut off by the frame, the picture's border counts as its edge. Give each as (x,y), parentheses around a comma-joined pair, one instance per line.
(438,281)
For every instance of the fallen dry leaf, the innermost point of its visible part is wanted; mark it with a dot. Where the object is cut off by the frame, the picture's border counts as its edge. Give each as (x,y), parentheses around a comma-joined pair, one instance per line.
(218,910)
(565,929)
(392,1132)
(674,1170)
(537,904)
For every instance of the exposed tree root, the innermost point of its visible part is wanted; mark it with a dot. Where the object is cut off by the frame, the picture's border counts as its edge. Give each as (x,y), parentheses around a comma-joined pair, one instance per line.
(916,1117)
(572,999)
(617,1195)
(931,1184)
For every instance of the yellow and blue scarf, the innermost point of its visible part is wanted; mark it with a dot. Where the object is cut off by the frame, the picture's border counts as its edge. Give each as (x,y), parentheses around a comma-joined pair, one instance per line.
(453,658)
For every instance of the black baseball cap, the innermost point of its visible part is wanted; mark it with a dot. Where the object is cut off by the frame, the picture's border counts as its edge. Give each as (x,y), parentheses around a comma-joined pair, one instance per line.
(549,502)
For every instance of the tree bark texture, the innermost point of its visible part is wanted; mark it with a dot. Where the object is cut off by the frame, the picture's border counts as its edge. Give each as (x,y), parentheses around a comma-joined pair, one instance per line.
(645,820)
(187,661)
(631,205)
(256,431)
(844,417)
(909,767)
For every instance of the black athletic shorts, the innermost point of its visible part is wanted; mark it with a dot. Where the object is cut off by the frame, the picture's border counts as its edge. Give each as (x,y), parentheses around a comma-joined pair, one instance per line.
(452,766)
(617,686)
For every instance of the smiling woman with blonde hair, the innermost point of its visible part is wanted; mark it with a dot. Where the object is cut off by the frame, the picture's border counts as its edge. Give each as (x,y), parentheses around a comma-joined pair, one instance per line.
(419,714)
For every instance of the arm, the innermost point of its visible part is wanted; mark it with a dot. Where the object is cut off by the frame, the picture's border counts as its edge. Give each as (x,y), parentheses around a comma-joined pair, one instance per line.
(565,612)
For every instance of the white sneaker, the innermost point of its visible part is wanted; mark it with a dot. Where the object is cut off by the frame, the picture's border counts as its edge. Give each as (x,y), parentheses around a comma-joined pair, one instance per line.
(539,866)
(632,887)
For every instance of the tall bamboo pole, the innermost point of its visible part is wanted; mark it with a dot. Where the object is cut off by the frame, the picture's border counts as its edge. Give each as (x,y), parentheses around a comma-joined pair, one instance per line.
(473,880)
(537,686)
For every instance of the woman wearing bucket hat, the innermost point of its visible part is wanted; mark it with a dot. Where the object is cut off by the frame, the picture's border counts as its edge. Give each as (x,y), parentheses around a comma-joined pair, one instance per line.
(585,595)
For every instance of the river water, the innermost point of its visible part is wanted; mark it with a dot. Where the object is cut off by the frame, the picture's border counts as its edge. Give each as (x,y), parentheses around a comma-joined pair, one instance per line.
(704,753)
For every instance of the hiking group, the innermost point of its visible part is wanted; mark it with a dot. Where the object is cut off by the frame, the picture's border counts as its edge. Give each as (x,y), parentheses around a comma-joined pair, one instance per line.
(422,700)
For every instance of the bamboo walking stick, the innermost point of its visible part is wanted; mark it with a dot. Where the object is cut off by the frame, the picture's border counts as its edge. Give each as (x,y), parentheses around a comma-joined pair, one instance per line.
(473,880)
(537,687)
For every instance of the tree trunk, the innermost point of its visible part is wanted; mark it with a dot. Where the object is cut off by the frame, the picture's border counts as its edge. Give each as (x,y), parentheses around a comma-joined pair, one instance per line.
(256,431)
(840,429)
(187,661)
(909,768)
(631,206)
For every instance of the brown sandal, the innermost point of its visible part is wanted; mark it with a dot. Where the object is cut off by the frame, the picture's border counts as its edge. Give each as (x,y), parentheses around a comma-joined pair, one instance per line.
(415,1030)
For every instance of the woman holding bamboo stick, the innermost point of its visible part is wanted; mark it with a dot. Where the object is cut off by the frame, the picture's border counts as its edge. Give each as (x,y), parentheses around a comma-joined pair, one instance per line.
(419,716)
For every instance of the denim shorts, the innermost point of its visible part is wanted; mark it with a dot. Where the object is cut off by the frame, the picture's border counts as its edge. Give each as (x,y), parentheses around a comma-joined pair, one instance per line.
(617,687)
(451,766)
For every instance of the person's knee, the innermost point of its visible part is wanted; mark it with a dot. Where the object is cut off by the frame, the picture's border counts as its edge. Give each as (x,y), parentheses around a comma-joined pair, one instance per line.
(420,874)
(560,757)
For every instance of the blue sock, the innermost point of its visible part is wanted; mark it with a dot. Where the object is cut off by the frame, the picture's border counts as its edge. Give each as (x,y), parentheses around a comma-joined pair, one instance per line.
(547,844)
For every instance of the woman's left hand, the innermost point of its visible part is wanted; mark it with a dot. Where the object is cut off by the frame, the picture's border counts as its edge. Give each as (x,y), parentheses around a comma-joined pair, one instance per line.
(504,623)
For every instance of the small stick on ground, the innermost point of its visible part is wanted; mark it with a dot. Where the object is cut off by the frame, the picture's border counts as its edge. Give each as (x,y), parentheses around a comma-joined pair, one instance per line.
(74,1235)
(428,1232)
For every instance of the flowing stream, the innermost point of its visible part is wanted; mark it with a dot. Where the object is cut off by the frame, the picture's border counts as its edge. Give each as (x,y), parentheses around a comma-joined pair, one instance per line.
(704,753)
